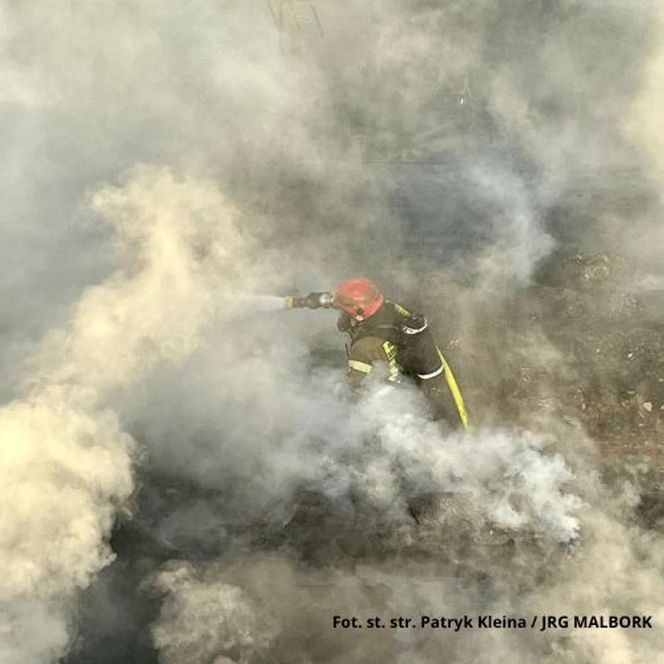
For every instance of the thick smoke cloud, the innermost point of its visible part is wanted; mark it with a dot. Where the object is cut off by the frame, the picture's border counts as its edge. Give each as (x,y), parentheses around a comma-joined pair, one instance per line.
(66,460)
(445,149)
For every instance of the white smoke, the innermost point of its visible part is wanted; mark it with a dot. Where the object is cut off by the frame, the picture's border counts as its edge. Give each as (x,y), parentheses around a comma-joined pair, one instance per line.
(614,573)
(312,139)
(232,622)
(512,481)
(66,463)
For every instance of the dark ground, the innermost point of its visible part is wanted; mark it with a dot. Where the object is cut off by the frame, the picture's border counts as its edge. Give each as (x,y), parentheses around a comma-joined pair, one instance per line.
(611,381)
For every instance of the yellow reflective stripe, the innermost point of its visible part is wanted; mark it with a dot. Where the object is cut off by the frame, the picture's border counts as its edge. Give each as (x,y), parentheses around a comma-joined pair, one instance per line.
(390,350)
(403,311)
(394,371)
(360,366)
(454,389)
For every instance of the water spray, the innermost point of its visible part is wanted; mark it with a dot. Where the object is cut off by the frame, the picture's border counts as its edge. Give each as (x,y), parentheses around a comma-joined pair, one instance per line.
(265,302)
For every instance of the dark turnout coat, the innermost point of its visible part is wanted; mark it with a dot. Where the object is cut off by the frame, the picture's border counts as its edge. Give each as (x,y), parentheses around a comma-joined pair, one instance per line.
(401,341)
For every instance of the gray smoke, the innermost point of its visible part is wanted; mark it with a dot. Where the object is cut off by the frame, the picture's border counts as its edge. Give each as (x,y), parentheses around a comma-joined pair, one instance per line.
(445,149)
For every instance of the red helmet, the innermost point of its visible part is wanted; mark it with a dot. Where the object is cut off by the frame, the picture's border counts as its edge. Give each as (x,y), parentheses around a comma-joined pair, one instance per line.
(358,297)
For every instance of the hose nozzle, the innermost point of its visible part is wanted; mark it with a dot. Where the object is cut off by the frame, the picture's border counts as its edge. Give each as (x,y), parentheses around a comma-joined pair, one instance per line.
(311,301)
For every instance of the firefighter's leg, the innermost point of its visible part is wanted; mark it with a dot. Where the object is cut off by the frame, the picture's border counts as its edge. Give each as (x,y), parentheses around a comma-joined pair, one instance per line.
(442,403)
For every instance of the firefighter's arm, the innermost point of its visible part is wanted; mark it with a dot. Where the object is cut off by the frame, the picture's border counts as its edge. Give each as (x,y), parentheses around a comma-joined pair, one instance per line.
(362,357)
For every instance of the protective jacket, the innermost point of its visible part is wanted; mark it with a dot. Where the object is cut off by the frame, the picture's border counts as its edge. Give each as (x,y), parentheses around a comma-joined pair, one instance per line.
(402,340)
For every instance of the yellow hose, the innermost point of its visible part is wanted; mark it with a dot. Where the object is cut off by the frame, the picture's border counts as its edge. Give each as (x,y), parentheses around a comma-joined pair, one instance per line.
(454,389)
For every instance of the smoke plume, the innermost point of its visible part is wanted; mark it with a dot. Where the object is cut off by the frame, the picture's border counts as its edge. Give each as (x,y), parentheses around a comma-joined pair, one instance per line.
(185,474)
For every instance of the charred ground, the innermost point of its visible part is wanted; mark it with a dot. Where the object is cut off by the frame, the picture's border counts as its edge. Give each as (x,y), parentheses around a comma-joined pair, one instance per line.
(610,380)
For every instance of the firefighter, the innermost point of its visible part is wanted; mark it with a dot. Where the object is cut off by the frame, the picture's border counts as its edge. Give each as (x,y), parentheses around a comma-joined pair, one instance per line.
(385,333)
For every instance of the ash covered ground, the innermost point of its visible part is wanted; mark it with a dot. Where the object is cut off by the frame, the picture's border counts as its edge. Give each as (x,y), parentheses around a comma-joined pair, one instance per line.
(609,384)
(185,475)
